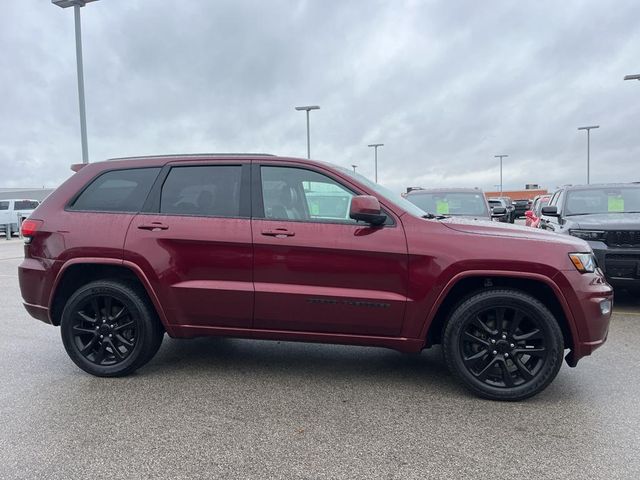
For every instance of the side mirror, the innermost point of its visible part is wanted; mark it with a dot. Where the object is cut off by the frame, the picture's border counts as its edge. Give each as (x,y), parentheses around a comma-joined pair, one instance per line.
(528,214)
(366,208)
(551,211)
(498,212)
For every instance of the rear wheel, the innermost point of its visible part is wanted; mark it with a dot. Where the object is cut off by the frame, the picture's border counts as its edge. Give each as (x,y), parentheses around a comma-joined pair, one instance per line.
(109,329)
(503,344)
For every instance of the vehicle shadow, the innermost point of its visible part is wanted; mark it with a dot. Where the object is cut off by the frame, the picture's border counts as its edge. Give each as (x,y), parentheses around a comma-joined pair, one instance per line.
(286,360)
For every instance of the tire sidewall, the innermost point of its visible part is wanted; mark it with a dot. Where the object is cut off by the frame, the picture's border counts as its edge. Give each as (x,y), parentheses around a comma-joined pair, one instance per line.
(136,310)
(472,306)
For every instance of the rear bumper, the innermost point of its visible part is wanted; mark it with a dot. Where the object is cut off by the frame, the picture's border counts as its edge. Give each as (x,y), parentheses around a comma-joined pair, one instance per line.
(34,277)
(585,295)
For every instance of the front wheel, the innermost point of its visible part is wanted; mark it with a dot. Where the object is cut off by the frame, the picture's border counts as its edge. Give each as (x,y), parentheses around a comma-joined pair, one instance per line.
(503,344)
(109,329)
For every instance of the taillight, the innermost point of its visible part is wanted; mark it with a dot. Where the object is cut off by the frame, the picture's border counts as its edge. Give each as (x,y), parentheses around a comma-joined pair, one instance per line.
(30,227)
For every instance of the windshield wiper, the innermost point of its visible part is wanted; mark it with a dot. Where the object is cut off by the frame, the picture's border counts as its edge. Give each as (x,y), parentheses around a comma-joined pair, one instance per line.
(431,216)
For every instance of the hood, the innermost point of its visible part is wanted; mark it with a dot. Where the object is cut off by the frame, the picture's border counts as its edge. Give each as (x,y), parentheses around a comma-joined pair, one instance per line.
(495,229)
(606,221)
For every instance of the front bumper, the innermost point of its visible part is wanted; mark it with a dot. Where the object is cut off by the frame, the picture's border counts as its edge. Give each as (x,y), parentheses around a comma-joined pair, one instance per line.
(584,293)
(621,266)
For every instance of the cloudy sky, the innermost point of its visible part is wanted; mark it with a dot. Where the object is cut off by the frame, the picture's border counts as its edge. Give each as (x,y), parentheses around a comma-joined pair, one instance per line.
(445,85)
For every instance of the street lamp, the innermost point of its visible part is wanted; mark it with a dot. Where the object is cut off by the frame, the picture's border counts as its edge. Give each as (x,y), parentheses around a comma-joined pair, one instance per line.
(354,168)
(500,157)
(632,77)
(375,147)
(588,129)
(76,4)
(307,109)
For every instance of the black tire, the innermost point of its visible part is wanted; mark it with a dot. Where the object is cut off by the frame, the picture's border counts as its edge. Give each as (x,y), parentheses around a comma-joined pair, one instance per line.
(503,344)
(109,328)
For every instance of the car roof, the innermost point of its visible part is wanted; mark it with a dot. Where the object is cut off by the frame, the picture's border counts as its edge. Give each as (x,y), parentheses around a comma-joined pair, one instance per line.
(19,200)
(163,159)
(443,190)
(601,185)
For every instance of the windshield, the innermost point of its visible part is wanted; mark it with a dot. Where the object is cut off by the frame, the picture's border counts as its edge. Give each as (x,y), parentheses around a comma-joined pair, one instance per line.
(451,203)
(389,195)
(603,200)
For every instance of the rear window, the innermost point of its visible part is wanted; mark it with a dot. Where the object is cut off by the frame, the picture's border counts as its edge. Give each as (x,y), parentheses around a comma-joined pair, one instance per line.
(25,204)
(4,205)
(117,191)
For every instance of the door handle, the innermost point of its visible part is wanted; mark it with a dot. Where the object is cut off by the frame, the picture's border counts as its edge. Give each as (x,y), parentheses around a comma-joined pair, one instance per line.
(153,226)
(278,232)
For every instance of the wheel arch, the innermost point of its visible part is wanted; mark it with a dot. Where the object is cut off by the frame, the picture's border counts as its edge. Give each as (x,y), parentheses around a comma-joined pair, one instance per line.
(467,283)
(80,271)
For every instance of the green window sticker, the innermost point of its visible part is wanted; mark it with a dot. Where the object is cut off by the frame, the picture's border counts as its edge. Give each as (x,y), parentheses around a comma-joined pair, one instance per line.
(616,203)
(442,207)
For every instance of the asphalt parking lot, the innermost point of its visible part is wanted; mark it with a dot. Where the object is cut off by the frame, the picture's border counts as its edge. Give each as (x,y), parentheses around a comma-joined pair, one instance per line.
(226,408)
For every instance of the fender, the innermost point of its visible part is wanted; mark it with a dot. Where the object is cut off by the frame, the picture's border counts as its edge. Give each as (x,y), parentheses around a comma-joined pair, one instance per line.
(135,269)
(502,273)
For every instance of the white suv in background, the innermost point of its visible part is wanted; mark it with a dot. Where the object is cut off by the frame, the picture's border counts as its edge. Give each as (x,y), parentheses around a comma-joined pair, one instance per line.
(13,211)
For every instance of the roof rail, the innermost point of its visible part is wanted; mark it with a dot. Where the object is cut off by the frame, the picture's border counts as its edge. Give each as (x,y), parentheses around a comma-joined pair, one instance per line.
(194,155)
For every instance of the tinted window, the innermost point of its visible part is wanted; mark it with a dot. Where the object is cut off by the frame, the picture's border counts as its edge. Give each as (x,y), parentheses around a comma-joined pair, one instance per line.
(603,200)
(299,194)
(451,203)
(117,191)
(4,205)
(211,190)
(25,204)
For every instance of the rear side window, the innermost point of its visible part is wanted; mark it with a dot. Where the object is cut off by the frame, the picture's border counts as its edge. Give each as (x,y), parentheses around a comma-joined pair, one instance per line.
(117,191)
(25,205)
(4,205)
(208,190)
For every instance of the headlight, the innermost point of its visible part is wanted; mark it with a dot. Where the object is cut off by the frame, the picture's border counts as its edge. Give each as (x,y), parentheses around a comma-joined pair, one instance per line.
(584,262)
(589,234)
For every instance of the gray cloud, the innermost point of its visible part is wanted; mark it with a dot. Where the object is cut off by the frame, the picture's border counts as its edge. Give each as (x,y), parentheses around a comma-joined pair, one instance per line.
(445,85)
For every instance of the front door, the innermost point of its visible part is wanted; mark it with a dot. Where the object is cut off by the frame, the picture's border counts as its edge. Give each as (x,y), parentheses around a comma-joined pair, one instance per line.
(194,244)
(315,269)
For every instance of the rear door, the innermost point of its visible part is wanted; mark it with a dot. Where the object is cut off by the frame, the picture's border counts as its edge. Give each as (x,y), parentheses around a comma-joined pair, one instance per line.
(316,269)
(193,241)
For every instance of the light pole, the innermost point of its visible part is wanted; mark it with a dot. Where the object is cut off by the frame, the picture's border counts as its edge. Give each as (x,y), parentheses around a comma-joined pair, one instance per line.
(76,4)
(632,77)
(307,109)
(375,147)
(588,129)
(354,168)
(500,157)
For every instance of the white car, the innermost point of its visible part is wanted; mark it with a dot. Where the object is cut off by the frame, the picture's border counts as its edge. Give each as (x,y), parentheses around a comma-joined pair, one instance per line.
(13,211)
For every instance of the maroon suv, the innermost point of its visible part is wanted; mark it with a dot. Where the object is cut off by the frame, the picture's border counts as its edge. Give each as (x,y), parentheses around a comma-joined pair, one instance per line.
(258,246)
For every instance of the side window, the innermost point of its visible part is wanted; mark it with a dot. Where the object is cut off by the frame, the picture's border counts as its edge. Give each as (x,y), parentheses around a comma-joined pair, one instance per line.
(554,199)
(4,205)
(25,205)
(299,194)
(208,190)
(117,191)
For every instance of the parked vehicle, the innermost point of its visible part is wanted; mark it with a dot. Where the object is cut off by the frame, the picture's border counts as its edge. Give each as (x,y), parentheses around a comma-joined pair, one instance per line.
(608,218)
(13,212)
(502,203)
(457,202)
(520,207)
(533,215)
(228,245)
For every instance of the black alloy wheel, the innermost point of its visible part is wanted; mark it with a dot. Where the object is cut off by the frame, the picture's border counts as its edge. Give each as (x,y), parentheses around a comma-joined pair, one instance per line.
(110,329)
(104,330)
(503,344)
